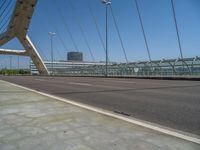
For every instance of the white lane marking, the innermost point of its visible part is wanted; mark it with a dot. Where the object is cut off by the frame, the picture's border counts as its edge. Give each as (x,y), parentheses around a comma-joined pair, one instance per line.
(84,84)
(121,81)
(40,79)
(155,127)
(106,86)
(94,85)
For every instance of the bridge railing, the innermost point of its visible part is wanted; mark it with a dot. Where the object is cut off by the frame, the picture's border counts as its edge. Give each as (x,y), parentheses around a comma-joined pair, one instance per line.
(187,67)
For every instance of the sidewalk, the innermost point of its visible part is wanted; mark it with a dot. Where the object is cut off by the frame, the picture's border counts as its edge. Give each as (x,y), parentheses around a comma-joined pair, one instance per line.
(30,121)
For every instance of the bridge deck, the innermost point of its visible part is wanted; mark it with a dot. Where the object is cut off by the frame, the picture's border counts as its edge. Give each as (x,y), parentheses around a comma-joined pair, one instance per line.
(32,121)
(175,104)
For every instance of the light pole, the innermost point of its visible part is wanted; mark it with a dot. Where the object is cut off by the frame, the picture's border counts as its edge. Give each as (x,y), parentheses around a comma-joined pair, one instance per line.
(11,65)
(10,62)
(18,64)
(107,3)
(51,34)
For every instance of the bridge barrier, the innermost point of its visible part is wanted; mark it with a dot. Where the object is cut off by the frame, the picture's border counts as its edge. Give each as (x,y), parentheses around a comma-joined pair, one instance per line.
(187,67)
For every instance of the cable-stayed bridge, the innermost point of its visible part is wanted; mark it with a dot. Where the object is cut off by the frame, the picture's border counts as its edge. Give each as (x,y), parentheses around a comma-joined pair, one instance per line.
(16,17)
(72,105)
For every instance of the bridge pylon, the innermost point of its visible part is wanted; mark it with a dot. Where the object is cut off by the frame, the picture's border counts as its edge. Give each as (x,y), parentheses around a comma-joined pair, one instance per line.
(18,28)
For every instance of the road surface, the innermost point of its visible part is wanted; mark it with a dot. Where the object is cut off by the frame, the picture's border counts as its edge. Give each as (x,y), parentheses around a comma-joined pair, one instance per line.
(174,104)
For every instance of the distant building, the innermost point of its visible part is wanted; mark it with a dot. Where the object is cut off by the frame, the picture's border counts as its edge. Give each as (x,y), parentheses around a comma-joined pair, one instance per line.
(75,56)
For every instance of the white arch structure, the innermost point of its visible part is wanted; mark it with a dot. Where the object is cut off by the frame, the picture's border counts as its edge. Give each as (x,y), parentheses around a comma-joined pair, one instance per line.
(18,27)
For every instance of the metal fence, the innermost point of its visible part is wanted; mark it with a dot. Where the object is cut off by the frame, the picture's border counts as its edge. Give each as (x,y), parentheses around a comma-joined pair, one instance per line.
(187,67)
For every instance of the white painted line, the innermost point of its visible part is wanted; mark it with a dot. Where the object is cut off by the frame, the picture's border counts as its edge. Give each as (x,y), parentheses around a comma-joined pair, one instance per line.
(75,83)
(40,79)
(94,85)
(106,86)
(171,132)
(125,82)
(120,81)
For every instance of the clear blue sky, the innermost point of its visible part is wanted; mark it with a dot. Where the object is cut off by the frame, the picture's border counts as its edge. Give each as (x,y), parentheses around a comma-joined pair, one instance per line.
(158,23)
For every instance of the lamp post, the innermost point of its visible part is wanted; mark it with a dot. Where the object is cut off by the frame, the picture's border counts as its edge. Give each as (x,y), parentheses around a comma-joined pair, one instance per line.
(51,34)
(18,65)
(10,57)
(107,3)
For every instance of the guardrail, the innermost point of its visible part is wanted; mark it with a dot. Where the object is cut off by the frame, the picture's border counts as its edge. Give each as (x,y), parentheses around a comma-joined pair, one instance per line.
(188,67)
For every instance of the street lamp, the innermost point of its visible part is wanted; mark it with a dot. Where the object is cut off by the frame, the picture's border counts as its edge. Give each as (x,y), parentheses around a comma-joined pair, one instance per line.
(107,3)
(10,62)
(51,34)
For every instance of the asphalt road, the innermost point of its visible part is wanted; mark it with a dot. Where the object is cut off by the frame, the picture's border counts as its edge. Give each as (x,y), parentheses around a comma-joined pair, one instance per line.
(174,104)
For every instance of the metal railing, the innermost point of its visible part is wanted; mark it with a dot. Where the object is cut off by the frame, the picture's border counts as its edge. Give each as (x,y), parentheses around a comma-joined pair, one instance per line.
(187,67)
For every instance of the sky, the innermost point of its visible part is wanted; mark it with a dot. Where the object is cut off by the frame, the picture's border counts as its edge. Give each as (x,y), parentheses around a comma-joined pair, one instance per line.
(157,16)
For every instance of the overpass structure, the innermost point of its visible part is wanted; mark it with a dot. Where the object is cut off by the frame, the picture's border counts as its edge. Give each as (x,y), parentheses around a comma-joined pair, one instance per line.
(18,28)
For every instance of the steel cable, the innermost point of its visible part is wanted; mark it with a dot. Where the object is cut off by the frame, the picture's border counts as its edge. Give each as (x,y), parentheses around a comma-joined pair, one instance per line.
(60,39)
(3,3)
(177,29)
(6,15)
(97,28)
(143,31)
(67,28)
(119,35)
(83,33)
(2,13)
(3,27)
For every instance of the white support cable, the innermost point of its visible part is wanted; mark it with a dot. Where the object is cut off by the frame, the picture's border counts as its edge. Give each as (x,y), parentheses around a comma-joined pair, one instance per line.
(2,13)
(82,32)
(58,52)
(119,35)
(4,21)
(97,27)
(66,27)
(58,34)
(2,5)
(177,29)
(143,31)
(6,18)
(6,15)
(3,27)
(44,27)
(39,48)
(61,40)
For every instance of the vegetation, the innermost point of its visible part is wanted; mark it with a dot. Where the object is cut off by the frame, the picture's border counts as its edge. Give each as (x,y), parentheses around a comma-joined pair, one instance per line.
(14,72)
